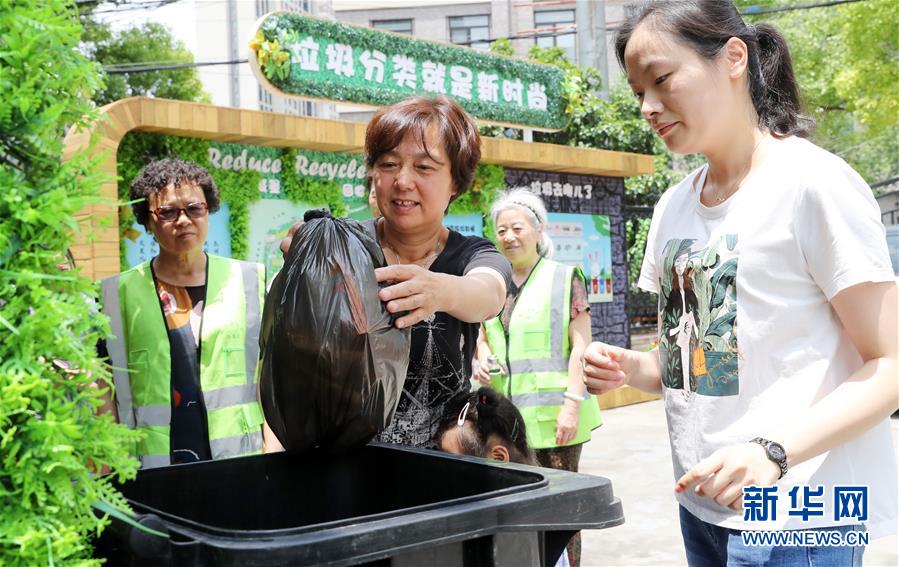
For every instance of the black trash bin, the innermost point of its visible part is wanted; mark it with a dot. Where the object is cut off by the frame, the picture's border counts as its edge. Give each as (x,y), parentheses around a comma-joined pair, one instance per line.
(384,504)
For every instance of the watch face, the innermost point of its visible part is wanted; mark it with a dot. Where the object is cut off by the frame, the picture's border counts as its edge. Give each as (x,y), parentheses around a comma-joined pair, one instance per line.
(776,451)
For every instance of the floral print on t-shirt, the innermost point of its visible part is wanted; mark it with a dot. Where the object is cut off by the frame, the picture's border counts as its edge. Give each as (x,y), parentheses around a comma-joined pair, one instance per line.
(698,323)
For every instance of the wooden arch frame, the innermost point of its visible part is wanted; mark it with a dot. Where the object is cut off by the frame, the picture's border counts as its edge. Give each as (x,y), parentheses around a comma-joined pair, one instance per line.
(100,258)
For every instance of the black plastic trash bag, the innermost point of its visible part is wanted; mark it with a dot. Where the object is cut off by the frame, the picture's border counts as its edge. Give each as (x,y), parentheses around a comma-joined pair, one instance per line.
(333,364)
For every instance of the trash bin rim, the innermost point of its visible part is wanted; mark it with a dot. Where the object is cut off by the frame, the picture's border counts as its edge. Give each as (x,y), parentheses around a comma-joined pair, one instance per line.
(255,541)
(540,481)
(588,502)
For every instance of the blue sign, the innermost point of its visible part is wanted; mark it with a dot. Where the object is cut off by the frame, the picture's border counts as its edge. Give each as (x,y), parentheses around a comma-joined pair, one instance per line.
(466,225)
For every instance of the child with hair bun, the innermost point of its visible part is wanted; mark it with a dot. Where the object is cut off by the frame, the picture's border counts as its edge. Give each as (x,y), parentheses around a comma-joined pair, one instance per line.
(484,424)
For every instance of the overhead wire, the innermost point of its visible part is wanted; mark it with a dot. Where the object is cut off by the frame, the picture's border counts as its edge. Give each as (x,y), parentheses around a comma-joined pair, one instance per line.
(148,68)
(133,6)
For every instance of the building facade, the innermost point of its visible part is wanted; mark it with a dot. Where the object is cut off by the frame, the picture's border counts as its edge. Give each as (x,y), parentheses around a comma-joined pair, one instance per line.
(223,31)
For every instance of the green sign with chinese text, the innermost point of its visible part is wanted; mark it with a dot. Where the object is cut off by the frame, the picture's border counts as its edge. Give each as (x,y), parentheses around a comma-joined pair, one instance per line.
(321,59)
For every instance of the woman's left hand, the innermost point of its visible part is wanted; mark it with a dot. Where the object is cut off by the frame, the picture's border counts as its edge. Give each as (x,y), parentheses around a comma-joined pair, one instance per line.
(566,423)
(413,289)
(723,475)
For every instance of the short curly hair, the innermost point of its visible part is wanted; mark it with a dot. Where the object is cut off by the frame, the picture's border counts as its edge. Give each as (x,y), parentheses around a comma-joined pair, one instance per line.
(157,175)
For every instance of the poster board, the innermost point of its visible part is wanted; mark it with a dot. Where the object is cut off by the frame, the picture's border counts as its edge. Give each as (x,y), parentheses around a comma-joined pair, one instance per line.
(584,241)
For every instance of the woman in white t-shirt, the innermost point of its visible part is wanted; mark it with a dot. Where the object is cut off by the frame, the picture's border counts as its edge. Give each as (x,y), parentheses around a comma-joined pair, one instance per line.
(792,373)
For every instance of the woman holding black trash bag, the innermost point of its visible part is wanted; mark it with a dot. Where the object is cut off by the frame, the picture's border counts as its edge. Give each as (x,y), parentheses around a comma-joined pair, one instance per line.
(422,154)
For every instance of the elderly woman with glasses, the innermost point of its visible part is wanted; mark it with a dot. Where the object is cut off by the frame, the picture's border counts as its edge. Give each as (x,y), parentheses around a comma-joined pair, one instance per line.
(185,329)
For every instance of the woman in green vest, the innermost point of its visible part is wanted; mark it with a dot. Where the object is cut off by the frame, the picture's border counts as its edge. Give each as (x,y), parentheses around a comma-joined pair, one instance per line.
(185,329)
(539,338)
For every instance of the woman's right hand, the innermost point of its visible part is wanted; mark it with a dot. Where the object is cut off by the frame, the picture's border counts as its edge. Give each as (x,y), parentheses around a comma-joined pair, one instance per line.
(603,368)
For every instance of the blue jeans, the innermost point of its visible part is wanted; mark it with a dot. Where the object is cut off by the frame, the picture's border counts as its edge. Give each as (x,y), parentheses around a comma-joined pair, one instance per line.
(708,545)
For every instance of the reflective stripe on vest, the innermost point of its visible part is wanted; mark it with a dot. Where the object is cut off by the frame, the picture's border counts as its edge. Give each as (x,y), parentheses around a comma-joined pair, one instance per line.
(538,399)
(542,365)
(539,354)
(548,279)
(140,355)
(115,347)
(559,316)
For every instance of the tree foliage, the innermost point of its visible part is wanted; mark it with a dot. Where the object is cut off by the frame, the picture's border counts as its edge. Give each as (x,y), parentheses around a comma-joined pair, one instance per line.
(614,124)
(51,443)
(148,43)
(846,59)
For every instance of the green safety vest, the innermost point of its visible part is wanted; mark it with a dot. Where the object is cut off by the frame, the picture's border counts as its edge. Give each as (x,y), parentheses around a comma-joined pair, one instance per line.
(536,351)
(229,358)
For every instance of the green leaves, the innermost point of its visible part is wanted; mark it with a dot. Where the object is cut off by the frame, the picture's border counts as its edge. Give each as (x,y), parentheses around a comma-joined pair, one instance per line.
(50,379)
(489,182)
(149,43)
(846,60)
(637,230)
(273,60)
(302,189)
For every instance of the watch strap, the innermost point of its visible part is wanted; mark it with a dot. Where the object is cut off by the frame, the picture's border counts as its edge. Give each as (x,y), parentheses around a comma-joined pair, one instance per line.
(780,462)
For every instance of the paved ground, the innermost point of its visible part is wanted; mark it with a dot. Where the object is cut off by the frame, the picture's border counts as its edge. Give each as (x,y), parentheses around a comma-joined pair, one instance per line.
(632,450)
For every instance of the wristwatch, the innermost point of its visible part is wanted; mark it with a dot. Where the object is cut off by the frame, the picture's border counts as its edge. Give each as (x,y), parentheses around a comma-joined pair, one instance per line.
(776,454)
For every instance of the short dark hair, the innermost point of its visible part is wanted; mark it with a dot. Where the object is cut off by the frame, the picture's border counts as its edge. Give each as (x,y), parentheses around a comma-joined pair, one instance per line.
(490,413)
(705,26)
(157,175)
(455,127)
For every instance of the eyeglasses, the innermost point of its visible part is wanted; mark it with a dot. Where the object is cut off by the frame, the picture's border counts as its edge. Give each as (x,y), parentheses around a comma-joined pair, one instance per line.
(192,210)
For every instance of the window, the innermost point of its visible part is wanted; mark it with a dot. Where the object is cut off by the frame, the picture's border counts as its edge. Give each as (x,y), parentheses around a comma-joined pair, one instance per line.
(296,6)
(283,105)
(396,26)
(263,7)
(471,31)
(265,100)
(297,107)
(561,22)
(631,10)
